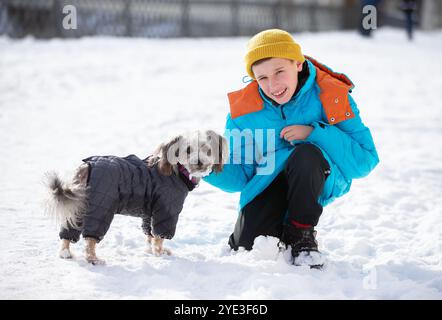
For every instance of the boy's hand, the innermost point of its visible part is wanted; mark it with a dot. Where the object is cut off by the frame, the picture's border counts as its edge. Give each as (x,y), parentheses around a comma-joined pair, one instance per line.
(296,132)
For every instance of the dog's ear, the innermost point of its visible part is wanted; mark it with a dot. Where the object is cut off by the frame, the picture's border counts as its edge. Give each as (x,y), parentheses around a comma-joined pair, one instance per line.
(222,155)
(153,159)
(164,151)
(218,143)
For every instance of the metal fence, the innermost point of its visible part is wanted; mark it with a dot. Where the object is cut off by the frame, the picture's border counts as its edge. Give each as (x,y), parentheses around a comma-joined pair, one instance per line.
(180,18)
(173,18)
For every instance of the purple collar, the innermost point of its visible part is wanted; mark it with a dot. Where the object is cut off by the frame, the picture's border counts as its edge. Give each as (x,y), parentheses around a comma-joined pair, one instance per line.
(191,183)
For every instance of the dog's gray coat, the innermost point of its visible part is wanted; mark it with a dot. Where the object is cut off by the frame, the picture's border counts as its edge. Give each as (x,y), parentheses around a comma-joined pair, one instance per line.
(128,186)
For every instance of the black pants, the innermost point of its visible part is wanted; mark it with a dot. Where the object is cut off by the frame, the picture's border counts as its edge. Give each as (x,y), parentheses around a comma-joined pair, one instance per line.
(294,191)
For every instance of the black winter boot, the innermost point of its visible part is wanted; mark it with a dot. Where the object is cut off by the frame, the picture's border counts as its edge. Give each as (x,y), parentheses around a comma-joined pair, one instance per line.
(304,247)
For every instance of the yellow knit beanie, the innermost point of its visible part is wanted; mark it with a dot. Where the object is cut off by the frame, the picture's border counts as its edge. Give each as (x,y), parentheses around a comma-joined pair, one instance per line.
(271,43)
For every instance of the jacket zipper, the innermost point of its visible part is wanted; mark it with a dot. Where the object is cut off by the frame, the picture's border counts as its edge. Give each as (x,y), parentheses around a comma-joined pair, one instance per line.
(282,112)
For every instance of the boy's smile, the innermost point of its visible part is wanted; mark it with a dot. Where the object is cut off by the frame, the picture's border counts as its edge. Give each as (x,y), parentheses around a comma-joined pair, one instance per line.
(277,77)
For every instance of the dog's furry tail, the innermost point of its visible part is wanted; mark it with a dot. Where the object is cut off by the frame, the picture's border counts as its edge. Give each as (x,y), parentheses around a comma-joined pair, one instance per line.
(66,201)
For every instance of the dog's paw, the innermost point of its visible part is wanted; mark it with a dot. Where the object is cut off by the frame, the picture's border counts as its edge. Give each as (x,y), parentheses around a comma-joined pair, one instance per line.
(65,254)
(148,249)
(156,246)
(95,261)
(163,251)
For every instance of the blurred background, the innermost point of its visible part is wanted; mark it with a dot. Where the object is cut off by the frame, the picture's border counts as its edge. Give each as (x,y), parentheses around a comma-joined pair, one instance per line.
(207,18)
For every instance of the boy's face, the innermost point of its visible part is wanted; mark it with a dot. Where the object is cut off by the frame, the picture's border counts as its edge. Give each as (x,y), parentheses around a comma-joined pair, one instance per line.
(278,78)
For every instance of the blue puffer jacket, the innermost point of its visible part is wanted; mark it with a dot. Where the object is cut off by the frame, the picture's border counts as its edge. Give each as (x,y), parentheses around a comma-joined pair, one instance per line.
(344,140)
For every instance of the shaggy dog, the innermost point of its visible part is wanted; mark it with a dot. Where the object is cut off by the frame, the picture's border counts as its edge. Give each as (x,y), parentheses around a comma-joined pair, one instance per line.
(153,189)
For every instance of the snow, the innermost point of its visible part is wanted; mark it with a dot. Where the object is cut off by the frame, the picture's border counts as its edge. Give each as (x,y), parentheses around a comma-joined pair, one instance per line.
(64,100)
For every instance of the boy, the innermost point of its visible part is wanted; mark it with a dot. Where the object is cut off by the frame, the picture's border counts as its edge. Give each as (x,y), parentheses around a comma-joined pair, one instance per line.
(320,145)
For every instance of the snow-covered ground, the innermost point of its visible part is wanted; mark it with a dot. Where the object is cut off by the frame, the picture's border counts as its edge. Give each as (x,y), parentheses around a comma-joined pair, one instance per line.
(63,100)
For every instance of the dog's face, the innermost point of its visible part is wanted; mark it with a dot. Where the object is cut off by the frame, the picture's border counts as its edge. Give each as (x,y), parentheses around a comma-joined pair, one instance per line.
(200,152)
